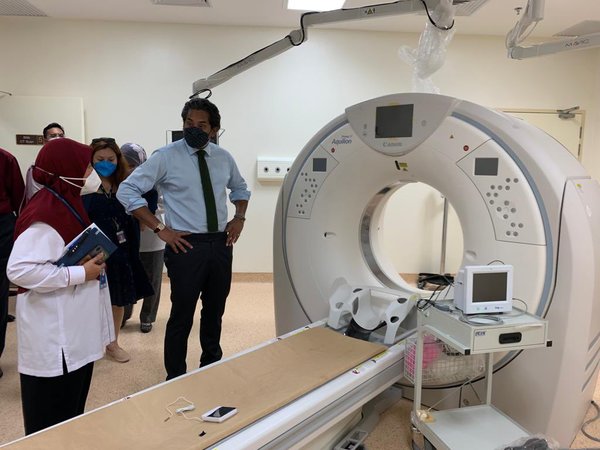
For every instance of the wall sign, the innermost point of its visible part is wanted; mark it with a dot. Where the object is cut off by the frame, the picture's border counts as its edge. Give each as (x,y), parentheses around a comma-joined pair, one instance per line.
(30,139)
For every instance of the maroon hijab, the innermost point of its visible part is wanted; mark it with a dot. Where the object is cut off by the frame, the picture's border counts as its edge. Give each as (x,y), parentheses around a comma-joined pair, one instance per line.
(66,158)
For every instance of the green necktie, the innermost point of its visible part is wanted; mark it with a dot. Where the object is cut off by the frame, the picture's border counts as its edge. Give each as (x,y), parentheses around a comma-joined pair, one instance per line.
(209,196)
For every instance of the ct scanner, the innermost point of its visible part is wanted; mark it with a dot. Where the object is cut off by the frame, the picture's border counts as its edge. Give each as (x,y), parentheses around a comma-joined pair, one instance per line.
(521,198)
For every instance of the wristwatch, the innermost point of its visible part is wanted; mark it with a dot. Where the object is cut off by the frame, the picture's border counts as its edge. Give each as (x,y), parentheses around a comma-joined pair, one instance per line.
(159,227)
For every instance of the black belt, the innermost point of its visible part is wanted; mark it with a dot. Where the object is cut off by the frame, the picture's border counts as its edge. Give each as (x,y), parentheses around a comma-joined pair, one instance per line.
(205,237)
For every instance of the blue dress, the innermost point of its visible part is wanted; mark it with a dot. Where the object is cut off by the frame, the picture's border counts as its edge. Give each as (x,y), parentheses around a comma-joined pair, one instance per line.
(127,280)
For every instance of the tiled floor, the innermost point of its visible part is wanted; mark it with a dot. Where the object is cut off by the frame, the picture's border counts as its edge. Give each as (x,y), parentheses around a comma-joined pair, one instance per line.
(249,320)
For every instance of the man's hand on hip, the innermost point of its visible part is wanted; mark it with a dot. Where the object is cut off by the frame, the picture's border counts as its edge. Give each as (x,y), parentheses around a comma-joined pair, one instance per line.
(175,239)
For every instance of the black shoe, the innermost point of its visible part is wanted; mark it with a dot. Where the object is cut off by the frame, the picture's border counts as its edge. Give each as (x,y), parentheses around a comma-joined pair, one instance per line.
(1,373)
(145,327)
(10,318)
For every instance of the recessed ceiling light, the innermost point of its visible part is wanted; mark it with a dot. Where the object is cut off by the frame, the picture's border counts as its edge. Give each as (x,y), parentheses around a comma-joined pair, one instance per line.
(19,8)
(201,3)
(314,5)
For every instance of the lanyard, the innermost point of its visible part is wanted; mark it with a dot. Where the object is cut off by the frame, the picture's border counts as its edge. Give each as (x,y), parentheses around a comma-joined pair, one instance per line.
(108,194)
(66,203)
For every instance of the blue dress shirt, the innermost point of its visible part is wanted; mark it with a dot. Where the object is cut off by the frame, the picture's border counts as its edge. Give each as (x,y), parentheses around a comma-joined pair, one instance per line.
(174,171)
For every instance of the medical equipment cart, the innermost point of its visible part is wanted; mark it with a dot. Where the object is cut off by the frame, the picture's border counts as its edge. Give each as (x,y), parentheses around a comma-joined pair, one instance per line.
(483,426)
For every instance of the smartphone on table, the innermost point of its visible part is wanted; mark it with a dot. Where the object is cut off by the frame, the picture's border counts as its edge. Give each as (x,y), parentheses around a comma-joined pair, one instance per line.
(219,414)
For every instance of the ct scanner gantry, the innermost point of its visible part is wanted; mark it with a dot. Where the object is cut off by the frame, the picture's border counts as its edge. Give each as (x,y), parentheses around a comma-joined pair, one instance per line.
(521,199)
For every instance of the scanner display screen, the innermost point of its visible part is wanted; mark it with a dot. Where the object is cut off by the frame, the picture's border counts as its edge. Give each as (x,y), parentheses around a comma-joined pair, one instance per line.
(394,121)
(486,166)
(489,287)
(319,164)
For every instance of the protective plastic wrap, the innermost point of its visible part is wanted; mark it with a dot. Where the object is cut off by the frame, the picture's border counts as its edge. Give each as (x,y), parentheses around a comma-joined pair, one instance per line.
(430,54)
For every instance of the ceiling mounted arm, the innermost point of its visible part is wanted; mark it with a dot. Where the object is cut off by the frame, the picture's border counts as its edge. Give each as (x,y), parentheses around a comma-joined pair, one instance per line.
(548,48)
(297,37)
(534,13)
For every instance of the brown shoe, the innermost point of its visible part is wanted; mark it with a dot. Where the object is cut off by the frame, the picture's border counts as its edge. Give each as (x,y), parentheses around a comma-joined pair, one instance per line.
(119,355)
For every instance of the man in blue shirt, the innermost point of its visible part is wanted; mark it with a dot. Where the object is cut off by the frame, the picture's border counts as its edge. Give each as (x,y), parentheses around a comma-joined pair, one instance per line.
(193,175)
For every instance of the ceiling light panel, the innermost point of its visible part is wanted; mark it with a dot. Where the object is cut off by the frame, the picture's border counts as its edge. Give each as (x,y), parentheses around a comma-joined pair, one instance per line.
(197,3)
(19,8)
(314,5)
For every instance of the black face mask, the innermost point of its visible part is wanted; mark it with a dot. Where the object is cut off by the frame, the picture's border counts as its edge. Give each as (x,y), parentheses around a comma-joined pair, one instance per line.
(195,137)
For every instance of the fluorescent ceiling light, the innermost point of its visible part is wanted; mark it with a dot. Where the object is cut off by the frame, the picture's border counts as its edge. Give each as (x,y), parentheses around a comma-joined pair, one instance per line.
(201,3)
(315,5)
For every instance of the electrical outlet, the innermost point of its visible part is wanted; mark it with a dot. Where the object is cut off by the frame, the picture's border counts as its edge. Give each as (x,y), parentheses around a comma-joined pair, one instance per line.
(272,169)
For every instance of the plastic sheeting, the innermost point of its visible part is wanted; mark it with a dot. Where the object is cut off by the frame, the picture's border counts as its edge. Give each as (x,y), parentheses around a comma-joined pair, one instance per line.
(430,54)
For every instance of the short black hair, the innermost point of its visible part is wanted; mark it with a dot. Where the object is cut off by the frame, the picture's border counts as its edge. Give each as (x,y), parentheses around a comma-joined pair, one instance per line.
(203,104)
(52,125)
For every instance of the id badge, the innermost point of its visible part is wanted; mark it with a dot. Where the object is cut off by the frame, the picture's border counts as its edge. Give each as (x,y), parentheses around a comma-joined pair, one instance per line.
(121,237)
(102,280)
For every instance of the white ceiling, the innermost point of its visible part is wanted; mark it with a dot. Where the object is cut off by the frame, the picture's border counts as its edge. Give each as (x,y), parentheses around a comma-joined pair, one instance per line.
(495,17)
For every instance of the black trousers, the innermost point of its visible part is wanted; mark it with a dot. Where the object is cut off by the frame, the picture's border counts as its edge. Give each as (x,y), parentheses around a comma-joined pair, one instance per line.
(153,266)
(205,272)
(50,400)
(7,228)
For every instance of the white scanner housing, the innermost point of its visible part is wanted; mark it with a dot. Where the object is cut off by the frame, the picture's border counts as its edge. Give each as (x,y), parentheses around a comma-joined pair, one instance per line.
(520,197)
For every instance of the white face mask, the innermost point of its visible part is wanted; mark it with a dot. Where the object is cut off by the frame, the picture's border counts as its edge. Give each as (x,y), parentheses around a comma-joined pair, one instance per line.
(90,186)
(92,183)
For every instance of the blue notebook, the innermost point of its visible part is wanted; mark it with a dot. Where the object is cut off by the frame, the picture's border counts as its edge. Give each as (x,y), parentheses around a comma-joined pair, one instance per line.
(89,242)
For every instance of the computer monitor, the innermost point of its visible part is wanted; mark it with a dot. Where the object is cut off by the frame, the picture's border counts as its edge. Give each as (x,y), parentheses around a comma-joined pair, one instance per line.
(174,135)
(484,289)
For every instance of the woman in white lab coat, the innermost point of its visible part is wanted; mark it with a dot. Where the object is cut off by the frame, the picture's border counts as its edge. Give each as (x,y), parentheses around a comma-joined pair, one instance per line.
(64,316)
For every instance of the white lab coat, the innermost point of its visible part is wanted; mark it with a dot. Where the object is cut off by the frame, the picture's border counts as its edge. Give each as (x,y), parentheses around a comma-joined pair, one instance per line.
(61,313)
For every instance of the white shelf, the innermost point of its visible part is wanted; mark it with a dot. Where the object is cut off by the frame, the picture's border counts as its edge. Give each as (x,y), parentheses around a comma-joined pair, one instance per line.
(481,427)
(516,331)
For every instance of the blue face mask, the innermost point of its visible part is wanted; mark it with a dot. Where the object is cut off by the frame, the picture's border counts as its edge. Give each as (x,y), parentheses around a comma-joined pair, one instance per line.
(105,168)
